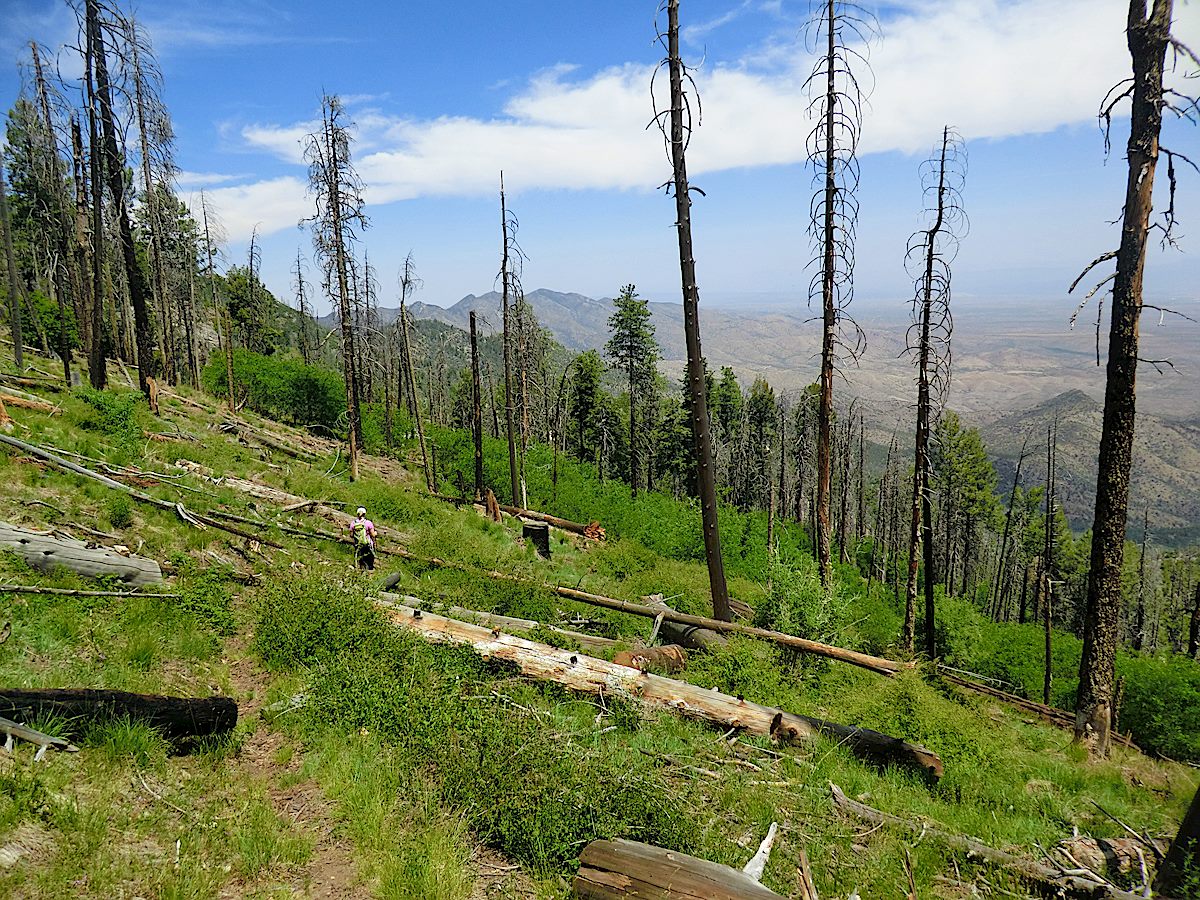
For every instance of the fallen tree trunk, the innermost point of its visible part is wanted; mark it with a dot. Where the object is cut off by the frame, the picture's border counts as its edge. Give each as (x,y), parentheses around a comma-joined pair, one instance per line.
(66,592)
(1076,882)
(249,432)
(177,718)
(692,636)
(595,676)
(508,623)
(873,663)
(612,870)
(179,509)
(20,400)
(45,552)
(1051,714)
(522,513)
(264,492)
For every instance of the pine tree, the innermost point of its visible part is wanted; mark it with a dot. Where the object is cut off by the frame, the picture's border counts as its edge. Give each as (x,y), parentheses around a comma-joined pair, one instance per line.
(633,350)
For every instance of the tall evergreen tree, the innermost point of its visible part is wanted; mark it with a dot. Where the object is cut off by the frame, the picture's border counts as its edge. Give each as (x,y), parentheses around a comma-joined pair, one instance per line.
(633,350)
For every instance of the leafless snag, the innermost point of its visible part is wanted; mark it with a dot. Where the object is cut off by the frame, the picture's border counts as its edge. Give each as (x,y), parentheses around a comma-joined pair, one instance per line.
(511,263)
(675,121)
(1149,37)
(409,282)
(837,103)
(338,193)
(928,257)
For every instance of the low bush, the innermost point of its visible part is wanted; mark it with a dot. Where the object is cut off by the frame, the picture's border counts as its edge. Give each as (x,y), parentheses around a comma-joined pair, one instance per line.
(282,388)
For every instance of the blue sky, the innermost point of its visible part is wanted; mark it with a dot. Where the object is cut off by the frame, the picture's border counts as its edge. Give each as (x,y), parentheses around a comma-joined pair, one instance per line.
(557,94)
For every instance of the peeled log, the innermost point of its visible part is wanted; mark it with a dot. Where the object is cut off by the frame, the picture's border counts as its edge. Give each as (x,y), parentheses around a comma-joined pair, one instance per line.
(594,676)
(176,718)
(45,552)
(611,870)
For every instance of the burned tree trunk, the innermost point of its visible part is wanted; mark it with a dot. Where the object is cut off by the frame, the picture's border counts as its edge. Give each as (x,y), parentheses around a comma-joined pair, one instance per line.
(476,412)
(14,288)
(114,171)
(1194,627)
(1148,36)
(177,718)
(677,134)
(934,248)
(514,481)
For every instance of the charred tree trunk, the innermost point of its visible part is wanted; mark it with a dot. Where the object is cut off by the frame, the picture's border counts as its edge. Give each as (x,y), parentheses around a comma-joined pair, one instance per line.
(514,478)
(1148,37)
(177,718)
(1139,623)
(706,476)
(114,170)
(1183,856)
(476,411)
(1002,561)
(14,287)
(1194,628)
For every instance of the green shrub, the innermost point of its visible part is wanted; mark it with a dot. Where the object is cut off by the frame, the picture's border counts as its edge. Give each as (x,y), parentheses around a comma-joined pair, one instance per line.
(1161,707)
(798,604)
(282,388)
(115,413)
(119,510)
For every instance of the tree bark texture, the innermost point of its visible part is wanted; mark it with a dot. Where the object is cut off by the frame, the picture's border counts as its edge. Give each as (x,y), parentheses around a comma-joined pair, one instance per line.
(697,388)
(476,411)
(1148,37)
(14,286)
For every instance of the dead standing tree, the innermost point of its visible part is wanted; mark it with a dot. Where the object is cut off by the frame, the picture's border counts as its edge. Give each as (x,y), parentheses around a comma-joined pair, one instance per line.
(510,288)
(409,282)
(114,172)
(676,123)
(837,99)
(339,201)
(928,257)
(1148,35)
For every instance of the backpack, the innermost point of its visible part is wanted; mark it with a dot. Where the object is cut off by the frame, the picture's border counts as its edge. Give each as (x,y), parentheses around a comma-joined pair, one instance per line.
(360,534)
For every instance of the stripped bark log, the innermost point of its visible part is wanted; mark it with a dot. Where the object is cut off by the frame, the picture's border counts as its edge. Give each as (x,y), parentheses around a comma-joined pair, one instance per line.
(692,636)
(249,432)
(612,870)
(1061,880)
(43,741)
(264,492)
(46,551)
(20,400)
(507,623)
(595,676)
(177,718)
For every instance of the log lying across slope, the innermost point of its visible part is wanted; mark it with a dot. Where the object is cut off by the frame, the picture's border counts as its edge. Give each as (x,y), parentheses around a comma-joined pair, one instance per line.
(45,552)
(612,870)
(176,718)
(594,676)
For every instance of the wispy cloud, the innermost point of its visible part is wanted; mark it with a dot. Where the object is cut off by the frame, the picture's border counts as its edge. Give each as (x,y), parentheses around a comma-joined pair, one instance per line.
(994,69)
(188,181)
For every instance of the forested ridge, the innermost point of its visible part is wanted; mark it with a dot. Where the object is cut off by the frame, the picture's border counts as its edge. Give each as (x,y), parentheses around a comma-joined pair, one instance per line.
(895,639)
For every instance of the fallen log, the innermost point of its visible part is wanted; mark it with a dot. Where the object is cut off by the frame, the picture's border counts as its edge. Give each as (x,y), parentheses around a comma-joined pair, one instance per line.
(612,870)
(43,741)
(264,492)
(45,384)
(507,623)
(197,519)
(1051,714)
(45,552)
(26,401)
(863,660)
(248,432)
(66,592)
(1076,882)
(595,676)
(522,513)
(692,636)
(177,718)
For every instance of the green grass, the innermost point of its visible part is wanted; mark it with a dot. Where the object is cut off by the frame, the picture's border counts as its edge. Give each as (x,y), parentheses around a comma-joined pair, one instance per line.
(424,754)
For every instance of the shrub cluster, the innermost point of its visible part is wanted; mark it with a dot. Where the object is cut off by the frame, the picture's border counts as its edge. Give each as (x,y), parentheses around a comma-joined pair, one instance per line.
(527,791)
(282,388)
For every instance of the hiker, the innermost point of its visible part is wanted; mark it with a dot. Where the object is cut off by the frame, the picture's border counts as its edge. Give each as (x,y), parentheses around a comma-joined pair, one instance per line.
(362,531)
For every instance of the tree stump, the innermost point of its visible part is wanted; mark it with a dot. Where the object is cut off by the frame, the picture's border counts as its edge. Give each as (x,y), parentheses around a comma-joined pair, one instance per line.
(612,870)
(538,534)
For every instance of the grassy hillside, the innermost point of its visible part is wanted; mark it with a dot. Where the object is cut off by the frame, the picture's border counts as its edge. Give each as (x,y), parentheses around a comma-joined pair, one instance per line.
(387,767)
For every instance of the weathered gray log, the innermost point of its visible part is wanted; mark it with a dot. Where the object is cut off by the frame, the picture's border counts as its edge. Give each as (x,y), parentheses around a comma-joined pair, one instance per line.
(594,676)
(45,552)
(177,718)
(69,592)
(43,741)
(1076,883)
(506,623)
(614,870)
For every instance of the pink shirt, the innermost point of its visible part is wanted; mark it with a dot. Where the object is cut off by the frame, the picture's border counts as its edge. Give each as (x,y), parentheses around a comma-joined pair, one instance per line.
(367,524)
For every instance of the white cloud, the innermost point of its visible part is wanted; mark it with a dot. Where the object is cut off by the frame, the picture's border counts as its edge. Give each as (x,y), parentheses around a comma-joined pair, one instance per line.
(195,180)
(993,68)
(271,205)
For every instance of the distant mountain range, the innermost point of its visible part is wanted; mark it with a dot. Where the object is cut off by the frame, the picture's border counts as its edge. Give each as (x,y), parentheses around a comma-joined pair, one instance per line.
(1008,356)
(1166,460)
